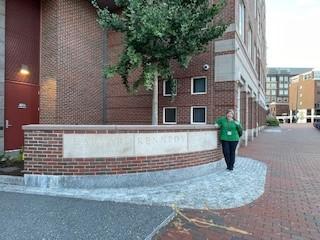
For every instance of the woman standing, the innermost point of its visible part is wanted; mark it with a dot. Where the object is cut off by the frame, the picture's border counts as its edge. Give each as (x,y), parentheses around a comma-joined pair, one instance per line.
(230,133)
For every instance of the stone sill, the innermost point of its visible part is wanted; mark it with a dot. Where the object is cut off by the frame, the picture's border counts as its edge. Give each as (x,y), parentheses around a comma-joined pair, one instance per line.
(39,127)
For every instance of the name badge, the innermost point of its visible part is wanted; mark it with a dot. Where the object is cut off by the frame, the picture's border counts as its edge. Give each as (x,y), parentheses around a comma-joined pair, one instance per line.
(229,133)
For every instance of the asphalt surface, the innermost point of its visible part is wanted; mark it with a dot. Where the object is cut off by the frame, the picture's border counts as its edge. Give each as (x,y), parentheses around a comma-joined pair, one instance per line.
(24,216)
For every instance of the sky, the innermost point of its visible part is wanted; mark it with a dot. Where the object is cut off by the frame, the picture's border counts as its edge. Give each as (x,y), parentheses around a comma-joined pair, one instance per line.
(293,33)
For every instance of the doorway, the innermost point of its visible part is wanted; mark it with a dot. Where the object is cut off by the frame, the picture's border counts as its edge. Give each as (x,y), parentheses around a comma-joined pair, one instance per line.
(21,108)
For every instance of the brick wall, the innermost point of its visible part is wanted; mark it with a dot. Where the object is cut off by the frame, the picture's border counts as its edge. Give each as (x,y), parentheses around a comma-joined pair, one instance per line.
(225,94)
(281,109)
(44,155)
(123,108)
(71,84)
(262,116)
(71,63)
(254,123)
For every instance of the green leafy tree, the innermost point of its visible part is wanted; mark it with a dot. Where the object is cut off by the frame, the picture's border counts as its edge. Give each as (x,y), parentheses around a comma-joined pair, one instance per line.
(157,32)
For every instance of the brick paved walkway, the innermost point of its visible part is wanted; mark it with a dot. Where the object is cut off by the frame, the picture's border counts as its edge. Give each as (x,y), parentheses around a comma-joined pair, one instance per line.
(290,207)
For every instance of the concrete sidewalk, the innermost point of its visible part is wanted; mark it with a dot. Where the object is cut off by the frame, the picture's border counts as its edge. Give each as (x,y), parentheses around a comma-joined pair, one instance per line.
(290,207)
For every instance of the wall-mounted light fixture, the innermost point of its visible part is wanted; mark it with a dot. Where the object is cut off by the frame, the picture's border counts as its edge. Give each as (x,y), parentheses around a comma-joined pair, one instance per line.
(24,70)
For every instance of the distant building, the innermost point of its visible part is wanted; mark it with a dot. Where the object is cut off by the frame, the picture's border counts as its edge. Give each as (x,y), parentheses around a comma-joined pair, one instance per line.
(277,89)
(304,97)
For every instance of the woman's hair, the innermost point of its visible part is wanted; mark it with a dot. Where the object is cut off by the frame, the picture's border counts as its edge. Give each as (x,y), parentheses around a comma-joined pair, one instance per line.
(230,111)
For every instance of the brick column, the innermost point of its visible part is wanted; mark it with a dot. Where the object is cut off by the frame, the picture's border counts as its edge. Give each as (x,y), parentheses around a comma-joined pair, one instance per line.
(255,117)
(250,117)
(244,116)
(243,105)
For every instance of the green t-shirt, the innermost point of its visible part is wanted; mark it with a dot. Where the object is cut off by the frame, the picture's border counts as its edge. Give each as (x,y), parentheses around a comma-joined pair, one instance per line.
(228,129)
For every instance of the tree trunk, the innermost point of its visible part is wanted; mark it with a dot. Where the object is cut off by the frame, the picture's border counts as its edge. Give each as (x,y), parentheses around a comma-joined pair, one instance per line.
(155,100)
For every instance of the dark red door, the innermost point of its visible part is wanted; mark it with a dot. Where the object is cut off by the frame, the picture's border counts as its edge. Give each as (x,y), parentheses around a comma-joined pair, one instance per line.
(21,108)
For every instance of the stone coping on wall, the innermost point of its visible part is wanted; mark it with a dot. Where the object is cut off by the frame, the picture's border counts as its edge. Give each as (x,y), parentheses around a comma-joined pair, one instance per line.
(41,127)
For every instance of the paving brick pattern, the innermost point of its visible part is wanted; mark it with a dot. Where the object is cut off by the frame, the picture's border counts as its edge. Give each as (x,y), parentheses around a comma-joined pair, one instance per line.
(290,207)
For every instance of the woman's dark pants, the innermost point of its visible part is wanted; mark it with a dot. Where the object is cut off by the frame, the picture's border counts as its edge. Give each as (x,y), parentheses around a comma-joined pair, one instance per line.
(229,152)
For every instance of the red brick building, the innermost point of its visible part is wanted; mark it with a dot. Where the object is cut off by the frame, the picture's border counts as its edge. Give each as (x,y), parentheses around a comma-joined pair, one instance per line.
(69,49)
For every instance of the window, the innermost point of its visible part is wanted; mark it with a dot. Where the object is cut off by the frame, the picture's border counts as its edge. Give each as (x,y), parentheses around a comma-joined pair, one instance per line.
(281,79)
(285,92)
(241,18)
(169,115)
(250,43)
(271,85)
(198,115)
(273,79)
(286,79)
(255,8)
(199,85)
(258,23)
(167,88)
(308,111)
(280,92)
(281,85)
(285,99)
(254,56)
(273,92)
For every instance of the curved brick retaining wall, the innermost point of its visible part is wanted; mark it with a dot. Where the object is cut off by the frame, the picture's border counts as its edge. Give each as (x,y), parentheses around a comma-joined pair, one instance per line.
(115,150)
(45,149)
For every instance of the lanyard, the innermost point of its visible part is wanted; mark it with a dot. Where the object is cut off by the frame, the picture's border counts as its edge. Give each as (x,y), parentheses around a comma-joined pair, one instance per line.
(228,125)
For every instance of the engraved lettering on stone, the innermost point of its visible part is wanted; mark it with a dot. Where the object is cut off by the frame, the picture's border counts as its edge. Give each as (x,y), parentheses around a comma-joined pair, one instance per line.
(136,144)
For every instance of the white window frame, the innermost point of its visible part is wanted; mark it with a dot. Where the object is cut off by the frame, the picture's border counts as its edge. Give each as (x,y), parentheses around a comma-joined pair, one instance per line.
(205,117)
(206,85)
(164,115)
(242,19)
(250,52)
(164,89)
(255,57)
(258,23)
